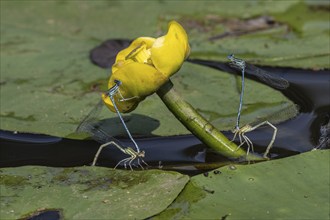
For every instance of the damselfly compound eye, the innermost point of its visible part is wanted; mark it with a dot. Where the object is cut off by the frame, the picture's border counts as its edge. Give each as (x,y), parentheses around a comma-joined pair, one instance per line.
(117,82)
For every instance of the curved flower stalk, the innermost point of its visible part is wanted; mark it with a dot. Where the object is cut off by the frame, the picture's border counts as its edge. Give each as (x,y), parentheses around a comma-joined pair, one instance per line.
(145,67)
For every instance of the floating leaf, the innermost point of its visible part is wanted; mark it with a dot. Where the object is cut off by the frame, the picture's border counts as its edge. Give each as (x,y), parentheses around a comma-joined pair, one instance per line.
(87,192)
(48,83)
(295,187)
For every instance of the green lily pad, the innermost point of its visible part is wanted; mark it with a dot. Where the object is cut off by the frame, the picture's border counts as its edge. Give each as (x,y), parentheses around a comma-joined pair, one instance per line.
(48,83)
(291,188)
(295,36)
(87,192)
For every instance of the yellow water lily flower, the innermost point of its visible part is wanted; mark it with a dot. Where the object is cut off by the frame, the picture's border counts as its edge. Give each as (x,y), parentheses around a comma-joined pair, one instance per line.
(146,65)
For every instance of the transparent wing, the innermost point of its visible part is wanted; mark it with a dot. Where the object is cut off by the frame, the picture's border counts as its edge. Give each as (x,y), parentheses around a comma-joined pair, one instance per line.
(273,81)
(92,126)
(284,113)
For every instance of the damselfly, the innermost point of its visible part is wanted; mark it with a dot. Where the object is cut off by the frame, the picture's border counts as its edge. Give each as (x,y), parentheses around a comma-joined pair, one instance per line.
(271,80)
(241,65)
(89,123)
(275,82)
(288,112)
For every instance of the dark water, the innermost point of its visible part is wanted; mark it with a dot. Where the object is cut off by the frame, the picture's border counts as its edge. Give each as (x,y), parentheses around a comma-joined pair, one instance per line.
(51,214)
(308,130)
(310,90)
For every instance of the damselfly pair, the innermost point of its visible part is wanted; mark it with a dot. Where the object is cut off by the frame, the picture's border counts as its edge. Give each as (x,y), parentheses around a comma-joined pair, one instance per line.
(275,82)
(88,126)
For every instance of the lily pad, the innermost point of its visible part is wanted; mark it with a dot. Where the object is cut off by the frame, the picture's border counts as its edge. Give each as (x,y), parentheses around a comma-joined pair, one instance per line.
(282,38)
(87,192)
(48,83)
(295,187)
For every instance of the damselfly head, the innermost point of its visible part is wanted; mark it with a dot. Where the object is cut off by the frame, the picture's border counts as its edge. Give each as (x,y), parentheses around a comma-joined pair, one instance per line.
(231,57)
(117,82)
(113,90)
(236,62)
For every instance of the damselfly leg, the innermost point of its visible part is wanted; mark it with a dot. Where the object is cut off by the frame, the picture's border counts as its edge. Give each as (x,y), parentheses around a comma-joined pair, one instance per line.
(241,132)
(132,153)
(89,125)
(111,93)
(275,82)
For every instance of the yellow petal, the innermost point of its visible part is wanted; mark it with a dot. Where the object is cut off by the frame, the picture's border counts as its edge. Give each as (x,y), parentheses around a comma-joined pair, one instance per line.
(123,106)
(138,81)
(123,55)
(168,52)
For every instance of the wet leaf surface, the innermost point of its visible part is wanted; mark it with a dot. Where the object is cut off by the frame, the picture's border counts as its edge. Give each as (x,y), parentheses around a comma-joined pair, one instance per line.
(294,187)
(48,83)
(87,192)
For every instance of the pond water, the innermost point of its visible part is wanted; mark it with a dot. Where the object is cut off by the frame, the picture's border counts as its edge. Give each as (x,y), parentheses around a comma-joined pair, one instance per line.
(309,89)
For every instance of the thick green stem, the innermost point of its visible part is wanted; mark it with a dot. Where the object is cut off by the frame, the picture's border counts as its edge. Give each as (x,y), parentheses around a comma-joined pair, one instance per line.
(198,125)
